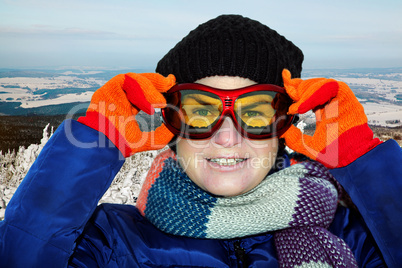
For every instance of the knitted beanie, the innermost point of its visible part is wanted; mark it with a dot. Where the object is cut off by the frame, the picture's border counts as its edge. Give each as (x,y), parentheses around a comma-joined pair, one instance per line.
(232,45)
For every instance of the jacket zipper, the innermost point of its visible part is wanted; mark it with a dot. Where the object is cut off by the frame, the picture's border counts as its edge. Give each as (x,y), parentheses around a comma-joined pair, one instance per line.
(241,256)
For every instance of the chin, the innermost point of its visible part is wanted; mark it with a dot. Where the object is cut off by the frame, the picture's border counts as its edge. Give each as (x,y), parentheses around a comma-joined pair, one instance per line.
(224,193)
(226,186)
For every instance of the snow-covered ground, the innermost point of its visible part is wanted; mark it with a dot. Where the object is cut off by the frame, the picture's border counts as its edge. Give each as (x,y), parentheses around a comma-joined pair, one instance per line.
(387,89)
(383,114)
(22,89)
(123,190)
(384,111)
(67,98)
(378,114)
(62,81)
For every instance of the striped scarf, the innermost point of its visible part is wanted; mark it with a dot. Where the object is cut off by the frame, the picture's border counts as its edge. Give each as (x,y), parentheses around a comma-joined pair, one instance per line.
(297,203)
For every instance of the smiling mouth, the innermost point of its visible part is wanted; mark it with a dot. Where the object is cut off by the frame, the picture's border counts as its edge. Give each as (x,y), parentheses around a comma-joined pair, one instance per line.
(226,161)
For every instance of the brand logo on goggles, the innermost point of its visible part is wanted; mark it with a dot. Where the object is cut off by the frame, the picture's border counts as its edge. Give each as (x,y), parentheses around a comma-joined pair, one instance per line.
(228,101)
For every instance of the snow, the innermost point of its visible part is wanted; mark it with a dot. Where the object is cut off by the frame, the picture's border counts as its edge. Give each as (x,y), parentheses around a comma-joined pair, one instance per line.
(35,83)
(15,166)
(21,89)
(67,98)
(123,190)
(383,114)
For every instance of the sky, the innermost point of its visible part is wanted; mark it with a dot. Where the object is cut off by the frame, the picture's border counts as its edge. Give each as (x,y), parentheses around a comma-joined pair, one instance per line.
(136,34)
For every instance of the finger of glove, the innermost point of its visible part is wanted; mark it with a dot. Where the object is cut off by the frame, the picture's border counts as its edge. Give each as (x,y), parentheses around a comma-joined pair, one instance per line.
(136,95)
(160,82)
(314,93)
(300,142)
(152,85)
(291,84)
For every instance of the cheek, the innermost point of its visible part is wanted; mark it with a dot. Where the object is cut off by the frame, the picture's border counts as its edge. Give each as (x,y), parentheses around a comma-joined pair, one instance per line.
(265,152)
(263,146)
(183,153)
(187,153)
(187,146)
(190,157)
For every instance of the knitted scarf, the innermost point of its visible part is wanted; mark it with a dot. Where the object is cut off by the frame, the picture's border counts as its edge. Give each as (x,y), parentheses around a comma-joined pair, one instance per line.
(297,204)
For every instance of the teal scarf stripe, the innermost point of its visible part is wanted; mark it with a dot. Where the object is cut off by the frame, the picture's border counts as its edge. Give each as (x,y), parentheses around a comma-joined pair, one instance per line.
(174,182)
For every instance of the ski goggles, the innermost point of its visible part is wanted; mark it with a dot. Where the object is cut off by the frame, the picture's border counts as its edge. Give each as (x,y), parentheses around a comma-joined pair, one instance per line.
(196,111)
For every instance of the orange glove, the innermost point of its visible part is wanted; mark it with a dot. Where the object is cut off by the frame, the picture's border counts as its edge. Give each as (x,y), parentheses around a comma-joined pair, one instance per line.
(113,108)
(342,133)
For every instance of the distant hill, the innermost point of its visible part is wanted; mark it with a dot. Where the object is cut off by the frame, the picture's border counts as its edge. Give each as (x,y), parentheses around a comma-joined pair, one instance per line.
(50,92)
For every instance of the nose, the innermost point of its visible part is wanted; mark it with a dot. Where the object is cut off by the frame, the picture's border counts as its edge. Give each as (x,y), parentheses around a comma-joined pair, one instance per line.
(227,135)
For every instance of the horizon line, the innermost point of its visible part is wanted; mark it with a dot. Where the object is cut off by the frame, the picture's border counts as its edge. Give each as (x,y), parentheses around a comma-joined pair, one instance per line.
(100,68)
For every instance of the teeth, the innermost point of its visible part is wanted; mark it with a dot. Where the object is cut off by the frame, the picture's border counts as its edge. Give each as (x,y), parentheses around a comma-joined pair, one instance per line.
(227,161)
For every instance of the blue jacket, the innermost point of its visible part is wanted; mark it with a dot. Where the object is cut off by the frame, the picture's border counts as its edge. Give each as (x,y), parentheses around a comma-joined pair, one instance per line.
(53,219)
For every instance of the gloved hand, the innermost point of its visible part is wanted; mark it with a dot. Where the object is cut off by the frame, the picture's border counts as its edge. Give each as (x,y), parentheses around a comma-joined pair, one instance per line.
(342,133)
(113,108)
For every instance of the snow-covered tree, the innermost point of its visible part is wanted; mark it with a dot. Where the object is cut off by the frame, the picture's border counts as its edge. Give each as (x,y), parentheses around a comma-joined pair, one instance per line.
(123,190)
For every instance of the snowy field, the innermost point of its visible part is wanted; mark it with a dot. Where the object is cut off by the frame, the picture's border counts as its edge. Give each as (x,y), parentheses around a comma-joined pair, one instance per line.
(38,102)
(383,114)
(378,114)
(380,94)
(25,90)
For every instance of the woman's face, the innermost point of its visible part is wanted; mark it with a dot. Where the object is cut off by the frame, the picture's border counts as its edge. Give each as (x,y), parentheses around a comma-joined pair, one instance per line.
(227,164)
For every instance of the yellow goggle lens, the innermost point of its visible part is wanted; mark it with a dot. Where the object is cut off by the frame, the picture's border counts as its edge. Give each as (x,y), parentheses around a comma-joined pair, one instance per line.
(255,110)
(200,110)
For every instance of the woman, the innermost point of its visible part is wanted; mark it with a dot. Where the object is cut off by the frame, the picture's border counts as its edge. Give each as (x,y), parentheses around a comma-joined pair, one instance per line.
(223,195)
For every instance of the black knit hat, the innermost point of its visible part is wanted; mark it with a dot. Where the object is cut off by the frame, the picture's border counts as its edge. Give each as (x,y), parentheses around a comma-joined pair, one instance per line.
(235,46)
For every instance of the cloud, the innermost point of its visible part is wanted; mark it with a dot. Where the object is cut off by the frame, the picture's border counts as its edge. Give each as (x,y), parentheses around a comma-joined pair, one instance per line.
(47,30)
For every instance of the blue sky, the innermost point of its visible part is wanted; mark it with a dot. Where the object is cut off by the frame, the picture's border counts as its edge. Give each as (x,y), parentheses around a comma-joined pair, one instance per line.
(135,34)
